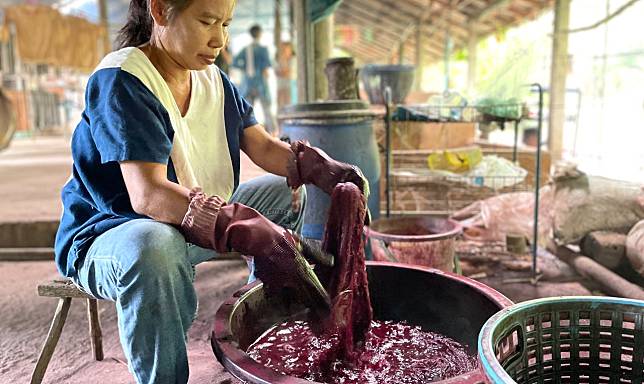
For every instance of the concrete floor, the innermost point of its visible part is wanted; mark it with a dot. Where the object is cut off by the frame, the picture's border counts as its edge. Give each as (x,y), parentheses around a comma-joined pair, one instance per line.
(26,317)
(33,170)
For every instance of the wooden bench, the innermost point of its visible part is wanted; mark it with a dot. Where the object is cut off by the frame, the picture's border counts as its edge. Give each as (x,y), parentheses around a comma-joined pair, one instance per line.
(65,290)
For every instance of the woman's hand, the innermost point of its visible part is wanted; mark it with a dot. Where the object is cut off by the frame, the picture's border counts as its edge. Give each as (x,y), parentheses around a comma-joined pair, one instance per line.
(211,223)
(310,165)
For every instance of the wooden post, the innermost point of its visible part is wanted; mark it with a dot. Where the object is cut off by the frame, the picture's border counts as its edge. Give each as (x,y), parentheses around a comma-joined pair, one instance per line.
(401,52)
(277,33)
(4,58)
(558,73)
(420,56)
(304,52)
(17,62)
(472,42)
(323,38)
(107,43)
(448,43)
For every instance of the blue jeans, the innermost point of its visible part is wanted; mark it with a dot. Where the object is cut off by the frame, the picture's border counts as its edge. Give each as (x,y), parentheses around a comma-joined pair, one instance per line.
(147,268)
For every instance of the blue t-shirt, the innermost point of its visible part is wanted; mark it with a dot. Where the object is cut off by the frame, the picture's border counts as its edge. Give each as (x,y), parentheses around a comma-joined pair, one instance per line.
(123,120)
(253,60)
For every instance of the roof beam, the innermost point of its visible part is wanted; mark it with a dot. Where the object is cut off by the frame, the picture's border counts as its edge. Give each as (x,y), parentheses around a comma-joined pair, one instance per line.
(353,18)
(362,50)
(394,22)
(424,16)
(370,18)
(455,29)
(412,11)
(490,9)
(386,39)
(444,20)
(379,10)
(356,15)
(432,46)
(362,18)
(342,15)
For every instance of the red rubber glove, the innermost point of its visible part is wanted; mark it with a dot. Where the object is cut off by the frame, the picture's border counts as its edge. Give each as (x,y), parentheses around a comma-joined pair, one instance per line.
(211,223)
(311,165)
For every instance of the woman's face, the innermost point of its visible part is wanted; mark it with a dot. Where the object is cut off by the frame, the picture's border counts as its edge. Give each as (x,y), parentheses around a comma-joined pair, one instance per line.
(194,37)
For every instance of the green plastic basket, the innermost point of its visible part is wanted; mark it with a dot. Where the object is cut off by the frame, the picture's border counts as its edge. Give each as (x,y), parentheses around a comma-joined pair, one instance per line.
(565,340)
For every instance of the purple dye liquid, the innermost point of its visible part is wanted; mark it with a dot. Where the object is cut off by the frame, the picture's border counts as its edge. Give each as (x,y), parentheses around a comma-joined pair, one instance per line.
(392,353)
(351,347)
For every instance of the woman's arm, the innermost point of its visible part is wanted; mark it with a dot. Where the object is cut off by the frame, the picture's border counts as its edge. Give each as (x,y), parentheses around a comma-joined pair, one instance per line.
(270,153)
(152,194)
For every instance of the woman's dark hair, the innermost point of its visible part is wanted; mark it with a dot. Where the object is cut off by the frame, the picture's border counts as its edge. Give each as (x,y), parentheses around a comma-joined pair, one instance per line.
(138,28)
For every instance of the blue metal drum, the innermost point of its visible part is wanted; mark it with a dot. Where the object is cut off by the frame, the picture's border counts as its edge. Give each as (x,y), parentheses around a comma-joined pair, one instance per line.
(344,130)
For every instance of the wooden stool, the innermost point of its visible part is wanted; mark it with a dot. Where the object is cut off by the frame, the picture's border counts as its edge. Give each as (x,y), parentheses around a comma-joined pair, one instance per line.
(66,290)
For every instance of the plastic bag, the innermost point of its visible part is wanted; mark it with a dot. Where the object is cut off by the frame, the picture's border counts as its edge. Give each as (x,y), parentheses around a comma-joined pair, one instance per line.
(491,219)
(493,172)
(496,172)
(635,247)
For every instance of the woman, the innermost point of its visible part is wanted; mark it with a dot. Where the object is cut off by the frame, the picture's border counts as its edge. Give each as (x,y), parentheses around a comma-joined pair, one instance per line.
(154,185)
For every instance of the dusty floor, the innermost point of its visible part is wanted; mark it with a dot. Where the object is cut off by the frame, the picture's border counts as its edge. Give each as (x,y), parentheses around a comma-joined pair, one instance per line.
(26,317)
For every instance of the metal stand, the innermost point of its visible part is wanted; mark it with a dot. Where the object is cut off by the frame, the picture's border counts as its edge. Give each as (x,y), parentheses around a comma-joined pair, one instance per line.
(535,234)
(387,95)
(534,279)
(516,140)
(388,165)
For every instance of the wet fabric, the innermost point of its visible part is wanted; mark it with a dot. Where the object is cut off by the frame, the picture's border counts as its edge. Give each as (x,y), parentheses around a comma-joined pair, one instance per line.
(351,347)
(348,287)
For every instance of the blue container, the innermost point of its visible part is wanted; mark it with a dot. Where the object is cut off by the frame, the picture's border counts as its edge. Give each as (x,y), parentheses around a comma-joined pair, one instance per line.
(344,130)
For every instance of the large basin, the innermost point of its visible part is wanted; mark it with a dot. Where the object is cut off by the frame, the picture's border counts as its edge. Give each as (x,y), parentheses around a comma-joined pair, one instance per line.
(437,301)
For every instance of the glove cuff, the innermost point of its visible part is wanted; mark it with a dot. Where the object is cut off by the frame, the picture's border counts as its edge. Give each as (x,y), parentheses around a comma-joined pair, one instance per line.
(293,177)
(198,225)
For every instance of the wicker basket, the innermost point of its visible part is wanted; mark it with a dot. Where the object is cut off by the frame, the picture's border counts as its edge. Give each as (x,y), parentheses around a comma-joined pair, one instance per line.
(565,340)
